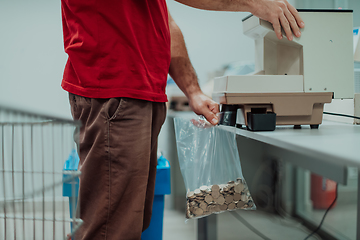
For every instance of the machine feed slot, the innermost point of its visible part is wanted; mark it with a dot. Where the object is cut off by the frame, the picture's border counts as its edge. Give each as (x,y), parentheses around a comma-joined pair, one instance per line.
(258,110)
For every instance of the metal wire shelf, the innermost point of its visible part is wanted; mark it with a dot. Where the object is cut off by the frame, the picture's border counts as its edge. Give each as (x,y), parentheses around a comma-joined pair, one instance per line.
(33,149)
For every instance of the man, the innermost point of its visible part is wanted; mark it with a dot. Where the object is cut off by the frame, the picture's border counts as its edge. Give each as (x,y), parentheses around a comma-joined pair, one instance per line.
(120,52)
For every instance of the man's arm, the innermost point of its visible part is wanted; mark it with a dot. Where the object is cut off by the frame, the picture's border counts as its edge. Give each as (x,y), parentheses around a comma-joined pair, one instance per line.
(279,12)
(184,75)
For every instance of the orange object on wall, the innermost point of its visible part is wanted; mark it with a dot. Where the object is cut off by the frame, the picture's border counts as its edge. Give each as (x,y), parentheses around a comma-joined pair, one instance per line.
(323,192)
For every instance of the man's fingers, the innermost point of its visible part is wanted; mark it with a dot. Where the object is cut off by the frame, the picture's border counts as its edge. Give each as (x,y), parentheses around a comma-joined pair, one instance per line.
(293,24)
(214,107)
(210,111)
(277,28)
(286,26)
(282,15)
(296,15)
(289,20)
(203,105)
(211,117)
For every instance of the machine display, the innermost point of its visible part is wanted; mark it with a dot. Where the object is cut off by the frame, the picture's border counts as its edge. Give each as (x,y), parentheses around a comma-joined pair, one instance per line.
(293,79)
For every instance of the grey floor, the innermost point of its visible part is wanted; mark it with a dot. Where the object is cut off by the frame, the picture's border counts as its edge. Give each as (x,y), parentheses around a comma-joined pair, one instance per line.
(342,218)
(229,228)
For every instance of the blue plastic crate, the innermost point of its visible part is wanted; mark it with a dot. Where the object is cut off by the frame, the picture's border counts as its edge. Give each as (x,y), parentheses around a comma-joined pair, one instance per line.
(162,187)
(71,182)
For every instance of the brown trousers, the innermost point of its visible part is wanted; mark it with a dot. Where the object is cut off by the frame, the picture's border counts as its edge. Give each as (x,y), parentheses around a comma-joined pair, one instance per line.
(118,158)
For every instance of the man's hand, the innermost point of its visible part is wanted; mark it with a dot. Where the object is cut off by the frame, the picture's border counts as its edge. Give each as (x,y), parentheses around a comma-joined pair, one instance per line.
(203,105)
(183,73)
(281,14)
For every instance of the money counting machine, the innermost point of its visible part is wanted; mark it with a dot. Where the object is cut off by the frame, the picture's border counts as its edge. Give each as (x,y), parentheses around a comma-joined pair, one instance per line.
(293,79)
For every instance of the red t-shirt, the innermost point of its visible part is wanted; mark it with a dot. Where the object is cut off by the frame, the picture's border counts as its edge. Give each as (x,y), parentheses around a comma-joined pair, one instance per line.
(116,48)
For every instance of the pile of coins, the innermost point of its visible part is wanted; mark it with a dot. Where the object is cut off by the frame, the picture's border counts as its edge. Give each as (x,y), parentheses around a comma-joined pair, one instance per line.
(217,198)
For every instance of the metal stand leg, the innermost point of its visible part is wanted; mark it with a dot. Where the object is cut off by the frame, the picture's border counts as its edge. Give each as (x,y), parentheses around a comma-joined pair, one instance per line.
(207,228)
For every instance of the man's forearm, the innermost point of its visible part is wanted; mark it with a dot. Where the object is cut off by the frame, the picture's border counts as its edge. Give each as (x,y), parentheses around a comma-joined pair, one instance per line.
(183,73)
(220,5)
(181,69)
(279,12)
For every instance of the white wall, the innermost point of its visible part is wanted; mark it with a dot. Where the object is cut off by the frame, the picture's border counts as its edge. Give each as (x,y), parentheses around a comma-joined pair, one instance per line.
(213,39)
(355,5)
(332,4)
(32,57)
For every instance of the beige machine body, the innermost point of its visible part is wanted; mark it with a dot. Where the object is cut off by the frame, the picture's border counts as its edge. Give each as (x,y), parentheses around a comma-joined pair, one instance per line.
(294,79)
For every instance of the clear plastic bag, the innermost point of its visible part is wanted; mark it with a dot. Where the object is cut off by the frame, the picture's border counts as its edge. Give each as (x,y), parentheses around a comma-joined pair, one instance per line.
(210,166)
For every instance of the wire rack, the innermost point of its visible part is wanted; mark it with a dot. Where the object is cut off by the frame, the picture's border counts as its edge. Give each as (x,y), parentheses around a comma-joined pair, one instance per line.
(33,149)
